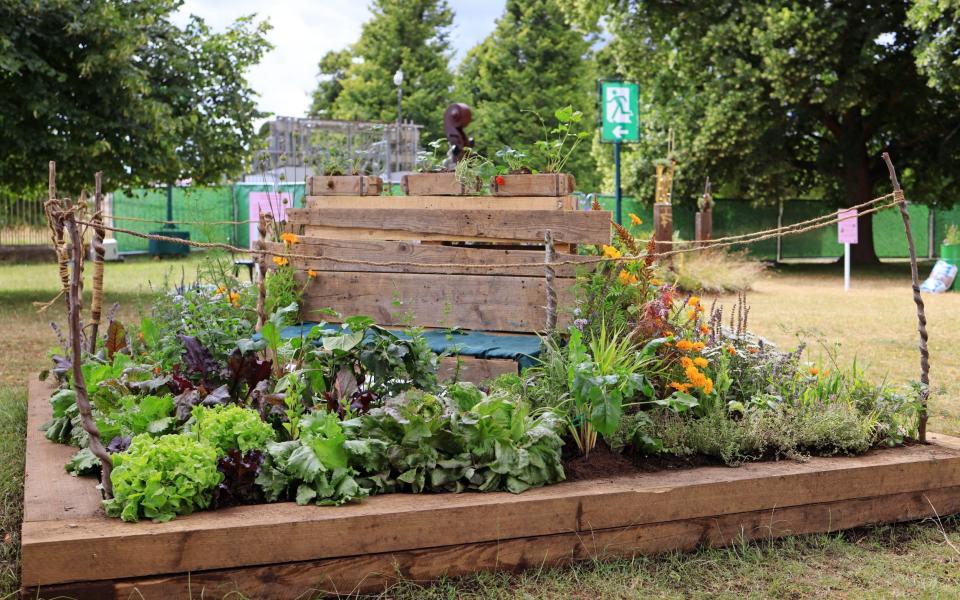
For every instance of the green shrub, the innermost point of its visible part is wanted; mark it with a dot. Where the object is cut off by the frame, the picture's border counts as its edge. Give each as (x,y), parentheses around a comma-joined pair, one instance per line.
(231,427)
(159,478)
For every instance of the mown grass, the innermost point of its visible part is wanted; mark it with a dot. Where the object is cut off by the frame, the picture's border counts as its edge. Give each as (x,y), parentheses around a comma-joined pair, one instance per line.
(875,324)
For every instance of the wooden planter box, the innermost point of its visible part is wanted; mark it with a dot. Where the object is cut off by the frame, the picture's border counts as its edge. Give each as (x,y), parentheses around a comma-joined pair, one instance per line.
(344,185)
(433,184)
(540,184)
(71,549)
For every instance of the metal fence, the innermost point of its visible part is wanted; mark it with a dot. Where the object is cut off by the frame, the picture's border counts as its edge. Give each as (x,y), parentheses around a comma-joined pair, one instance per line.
(23,222)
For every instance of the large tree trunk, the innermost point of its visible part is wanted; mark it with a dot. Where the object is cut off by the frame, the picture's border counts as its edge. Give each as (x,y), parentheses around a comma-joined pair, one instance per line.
(858,184)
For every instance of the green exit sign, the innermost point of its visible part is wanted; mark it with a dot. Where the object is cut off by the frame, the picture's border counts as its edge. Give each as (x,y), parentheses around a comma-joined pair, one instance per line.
(619,101)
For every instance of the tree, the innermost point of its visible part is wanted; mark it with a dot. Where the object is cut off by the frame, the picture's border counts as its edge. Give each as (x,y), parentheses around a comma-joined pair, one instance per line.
(116,87)
(531,64)
(784,98)
(332,69)
(412,35)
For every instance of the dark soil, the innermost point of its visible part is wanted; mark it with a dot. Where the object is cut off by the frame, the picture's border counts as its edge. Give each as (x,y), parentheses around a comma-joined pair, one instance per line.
(604,464)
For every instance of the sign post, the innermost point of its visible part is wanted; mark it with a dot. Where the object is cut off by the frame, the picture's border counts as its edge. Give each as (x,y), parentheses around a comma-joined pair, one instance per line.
(619,122)
(846,235)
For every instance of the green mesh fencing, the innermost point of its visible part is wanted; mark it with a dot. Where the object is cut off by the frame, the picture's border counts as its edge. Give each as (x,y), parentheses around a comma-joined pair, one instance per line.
(189,204)
(736,217)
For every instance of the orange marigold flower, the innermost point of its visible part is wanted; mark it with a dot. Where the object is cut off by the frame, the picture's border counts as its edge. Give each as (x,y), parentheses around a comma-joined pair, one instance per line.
(684,345)
(221,289)
(280,261)
(826,372)
(753,350)
(694,300)
(707,386)
(699,346)
(234,298)
(656,281)
(691,314)
(626,278)
(611,252)
(814,371)
(311,274)
(704,329)
(700,308)
(682,387)
(685,362)
(731,350)
(289,238)
(635,219)
(701,362)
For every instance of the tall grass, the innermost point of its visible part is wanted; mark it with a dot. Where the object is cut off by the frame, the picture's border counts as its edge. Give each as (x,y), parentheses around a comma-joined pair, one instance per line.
(13,421)
(714,271)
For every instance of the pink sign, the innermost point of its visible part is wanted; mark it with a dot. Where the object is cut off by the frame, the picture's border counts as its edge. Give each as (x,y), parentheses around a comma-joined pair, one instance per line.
(847,226)
(275,203)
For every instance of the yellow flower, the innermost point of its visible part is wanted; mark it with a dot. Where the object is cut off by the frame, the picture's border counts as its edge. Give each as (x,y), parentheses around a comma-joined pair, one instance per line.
(289,238)
(234,298)
(627,278)
(656,282)
(699,346)
(685,362)
(221,289)
(694,300)
(684,345)
(701,362)
(611,252)
(635,219)
(691,314)
(280,261)
(707,386)
(311,274)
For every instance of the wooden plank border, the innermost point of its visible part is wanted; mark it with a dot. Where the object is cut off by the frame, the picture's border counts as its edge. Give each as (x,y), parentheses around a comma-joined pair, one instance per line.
(448,202)
(268,550)
(574,227)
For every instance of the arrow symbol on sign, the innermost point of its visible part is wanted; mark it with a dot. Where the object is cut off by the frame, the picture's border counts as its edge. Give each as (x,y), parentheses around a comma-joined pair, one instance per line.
(619,132)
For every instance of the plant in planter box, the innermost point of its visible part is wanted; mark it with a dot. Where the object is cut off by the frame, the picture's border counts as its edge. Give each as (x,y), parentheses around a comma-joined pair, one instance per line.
(559,142)
(431,161)
(472,170)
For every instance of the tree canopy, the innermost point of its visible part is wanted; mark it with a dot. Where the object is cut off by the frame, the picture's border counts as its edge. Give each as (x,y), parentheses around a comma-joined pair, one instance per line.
(116,87)
(412,35)
(776,100)
(531,64)
(330,73)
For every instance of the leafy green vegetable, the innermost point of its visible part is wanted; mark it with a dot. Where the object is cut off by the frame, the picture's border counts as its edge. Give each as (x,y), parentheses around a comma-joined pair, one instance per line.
(83,463)
(231,427)
(313,468)
(159,478)
(463,440)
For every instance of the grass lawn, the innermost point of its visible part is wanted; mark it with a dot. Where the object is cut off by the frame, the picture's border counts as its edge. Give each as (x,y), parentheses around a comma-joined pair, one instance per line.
(874,324)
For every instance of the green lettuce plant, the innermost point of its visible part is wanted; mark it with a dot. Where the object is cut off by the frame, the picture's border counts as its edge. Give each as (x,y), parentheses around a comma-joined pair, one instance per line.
(231,427)
(159,478)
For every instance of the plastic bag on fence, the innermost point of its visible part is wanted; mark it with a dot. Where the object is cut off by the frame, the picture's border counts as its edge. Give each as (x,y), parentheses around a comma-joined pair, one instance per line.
(941,278)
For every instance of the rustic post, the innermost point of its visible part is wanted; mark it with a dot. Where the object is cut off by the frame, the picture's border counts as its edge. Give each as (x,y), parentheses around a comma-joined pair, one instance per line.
(262,267)
(703,221)
(917,299)
(663,209)
(56,220)
(74,303)
(549,274)
(96,303)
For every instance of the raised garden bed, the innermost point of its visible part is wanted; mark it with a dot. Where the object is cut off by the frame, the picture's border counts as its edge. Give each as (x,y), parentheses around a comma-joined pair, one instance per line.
(344,185)
(282,550)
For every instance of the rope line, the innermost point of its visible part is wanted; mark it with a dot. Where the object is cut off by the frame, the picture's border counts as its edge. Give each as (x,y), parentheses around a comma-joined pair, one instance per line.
(743,239)
(164,222)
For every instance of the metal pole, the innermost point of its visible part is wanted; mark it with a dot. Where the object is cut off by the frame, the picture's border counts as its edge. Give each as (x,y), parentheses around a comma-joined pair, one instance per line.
(399,99)
(846,267)
(169,224)
(616,181)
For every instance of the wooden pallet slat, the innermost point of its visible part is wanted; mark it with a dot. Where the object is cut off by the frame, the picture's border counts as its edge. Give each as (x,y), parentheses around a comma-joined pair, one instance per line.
(479,302)
(344,185)
(448,202)
(432,184)
(573,227)
(418,258)
(533,184)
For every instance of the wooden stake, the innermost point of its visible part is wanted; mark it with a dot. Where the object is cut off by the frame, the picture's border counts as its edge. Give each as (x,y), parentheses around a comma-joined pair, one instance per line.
(54,216)
(262,263)
(96,303)
(74,303)
(549,257)
(917,299)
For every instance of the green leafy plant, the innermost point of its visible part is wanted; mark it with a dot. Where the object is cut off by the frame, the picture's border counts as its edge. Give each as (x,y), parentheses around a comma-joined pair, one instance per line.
(953,235)
(313,468)
(159,478)
(231,427)
(432,161)
(559,142)
(515,160)
(473,170)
